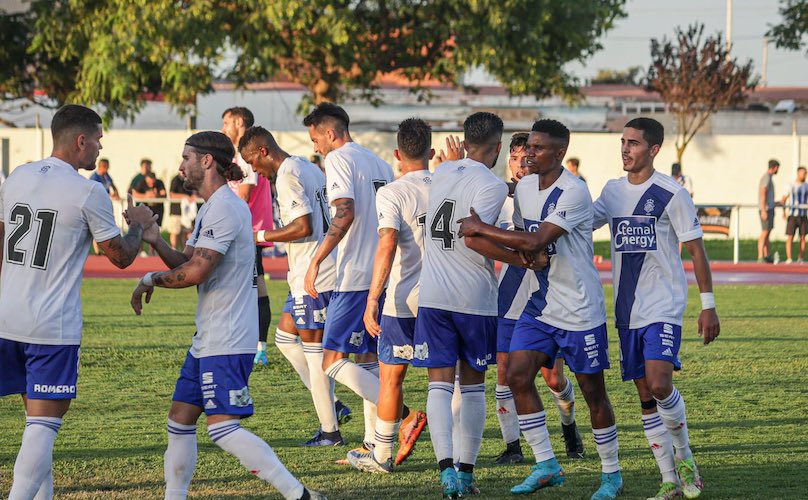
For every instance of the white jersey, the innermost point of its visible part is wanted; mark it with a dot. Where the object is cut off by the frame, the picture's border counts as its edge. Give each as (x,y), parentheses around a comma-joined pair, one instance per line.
(50,213)
(516,284)
(799,196)
(454,277)
(301,191)
(355,172)
(227,311)
(647,222)
(570,296)
(402,206)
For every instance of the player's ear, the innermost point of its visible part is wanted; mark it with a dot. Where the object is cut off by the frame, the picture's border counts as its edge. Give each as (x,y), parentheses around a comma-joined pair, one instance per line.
(396,154)
(653,150)
(431,153)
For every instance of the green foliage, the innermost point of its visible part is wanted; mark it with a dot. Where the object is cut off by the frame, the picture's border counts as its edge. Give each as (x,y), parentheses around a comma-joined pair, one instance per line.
(628,76)
(115,53)
(792,33)
(745,403)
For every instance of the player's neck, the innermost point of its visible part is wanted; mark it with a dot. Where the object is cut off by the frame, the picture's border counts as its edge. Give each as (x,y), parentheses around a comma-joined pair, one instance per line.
(548,179)
(640,176)
(210,186)
(66,157)
(407,167)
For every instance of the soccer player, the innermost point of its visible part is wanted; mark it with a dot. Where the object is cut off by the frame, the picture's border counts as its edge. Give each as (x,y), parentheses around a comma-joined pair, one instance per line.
(304,213)
(566,314)
(516,285)
(457,299)
(401,208)
(354,175)
(797,216)
(220,260)
(48,216)
(649,213)
(256,191)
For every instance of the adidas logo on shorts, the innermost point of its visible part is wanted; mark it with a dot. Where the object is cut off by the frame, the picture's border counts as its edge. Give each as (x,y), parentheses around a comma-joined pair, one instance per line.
(210,405)
(667,352)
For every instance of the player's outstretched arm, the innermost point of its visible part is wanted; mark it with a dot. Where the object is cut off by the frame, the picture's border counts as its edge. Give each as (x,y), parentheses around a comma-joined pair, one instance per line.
(494,250)
(298,228)
(518,240)
(382,264)
(340,224)
(122,251)
(709,325)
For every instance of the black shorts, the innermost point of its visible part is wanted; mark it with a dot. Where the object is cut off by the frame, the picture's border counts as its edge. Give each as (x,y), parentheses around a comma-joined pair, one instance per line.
(259,261)
(768,224)
(795,222)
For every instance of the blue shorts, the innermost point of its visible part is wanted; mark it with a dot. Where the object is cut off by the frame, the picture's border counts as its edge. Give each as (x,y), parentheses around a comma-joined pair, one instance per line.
(443,337)
(504,334)
(395,341)
(657,341)
(344,327)
(217,384)
(308,313)
(584,352)
(39,371)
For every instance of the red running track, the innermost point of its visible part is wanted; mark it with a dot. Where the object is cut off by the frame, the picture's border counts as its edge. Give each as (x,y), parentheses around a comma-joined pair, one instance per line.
(276,267)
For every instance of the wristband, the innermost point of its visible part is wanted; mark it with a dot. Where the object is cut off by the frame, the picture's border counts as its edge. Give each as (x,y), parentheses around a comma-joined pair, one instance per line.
(707,300)
(260,236)
(147,279)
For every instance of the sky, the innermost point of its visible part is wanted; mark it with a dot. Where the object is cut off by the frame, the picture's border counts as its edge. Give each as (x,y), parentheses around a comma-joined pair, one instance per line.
(628,43)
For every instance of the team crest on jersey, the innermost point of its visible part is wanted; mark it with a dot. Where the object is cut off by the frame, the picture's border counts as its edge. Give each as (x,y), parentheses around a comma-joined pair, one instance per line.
(421,351)
(356,338)
(427,180)
(635,233)
(403,351)
(44,169)
(550,209)
(649,206)
(241,397)
(461,168)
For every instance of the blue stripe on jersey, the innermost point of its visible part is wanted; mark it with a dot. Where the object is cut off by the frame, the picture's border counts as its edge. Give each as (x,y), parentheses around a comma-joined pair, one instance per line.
(508,287)
(799,196)
(538,301)
(652,202)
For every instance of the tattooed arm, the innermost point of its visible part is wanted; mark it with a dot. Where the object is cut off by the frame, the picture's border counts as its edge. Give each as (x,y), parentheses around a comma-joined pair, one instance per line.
(122,250)
(340,224)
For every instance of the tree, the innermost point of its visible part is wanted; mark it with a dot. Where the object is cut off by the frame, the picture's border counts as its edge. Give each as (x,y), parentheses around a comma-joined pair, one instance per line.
(792,33)
(696,77)
(117,52)
(629,76)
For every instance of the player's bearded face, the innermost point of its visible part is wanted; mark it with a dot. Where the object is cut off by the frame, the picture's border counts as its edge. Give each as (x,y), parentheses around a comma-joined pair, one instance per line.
(191,169)
(92,147)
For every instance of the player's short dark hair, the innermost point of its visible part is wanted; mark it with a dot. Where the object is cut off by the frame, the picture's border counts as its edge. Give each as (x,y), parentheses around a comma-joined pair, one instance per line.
(256,134)
(482,128)
(574,161)
(327,112)
(414,139)
(676,169)
(241,112)
(773,163)
(801,168)
(146,161)
(652,131)
(103,160)
(75,119)
(518,140)
(554,129)
(221,149)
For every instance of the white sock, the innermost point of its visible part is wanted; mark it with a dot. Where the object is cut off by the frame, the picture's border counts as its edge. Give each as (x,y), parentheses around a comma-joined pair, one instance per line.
(659,439)
(506,414)
(385,438)
(322,392)
(369,410)
(256,455)
(672,412)
(606,443)
(472,422)
(362,382)
(35,458)
(534,428)
(371,366)
(46,488)
(292,349)
(565,401)
(439,418)
(457,400)
(179,460)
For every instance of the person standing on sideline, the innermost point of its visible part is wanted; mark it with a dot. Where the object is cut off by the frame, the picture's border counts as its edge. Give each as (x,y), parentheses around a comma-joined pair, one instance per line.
(49,213)
(682,179)
(256,191)
(101,174)
(567,314)
(797,214)
(573,165)
(219,260)
(651,294)
(766,209)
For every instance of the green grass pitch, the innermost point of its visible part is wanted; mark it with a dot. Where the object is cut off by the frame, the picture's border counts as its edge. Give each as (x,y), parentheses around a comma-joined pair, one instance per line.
(746,400)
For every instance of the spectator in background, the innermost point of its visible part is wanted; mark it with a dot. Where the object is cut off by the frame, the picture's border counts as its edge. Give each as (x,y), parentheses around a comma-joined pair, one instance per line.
(678,176)
(151,187)
(145,169)
(797,214)
(318,160)
(101,175)
(177,231)
(572,166)
(766,206)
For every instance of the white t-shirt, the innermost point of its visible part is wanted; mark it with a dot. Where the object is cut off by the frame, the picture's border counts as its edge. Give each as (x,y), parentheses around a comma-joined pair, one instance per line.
(516,284)
(301,192)
(455,277)
(647,222)
(402,206)
(227,310)
(570,296)
(355,172)
(51,213)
